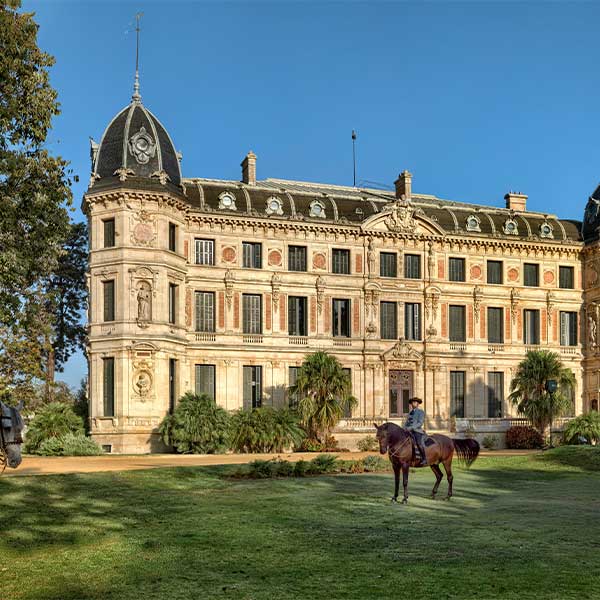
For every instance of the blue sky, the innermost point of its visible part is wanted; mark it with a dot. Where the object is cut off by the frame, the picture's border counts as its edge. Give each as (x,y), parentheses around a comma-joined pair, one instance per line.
(475,98)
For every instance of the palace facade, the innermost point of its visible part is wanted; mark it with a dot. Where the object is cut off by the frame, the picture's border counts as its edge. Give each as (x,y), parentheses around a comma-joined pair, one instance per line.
(223,287)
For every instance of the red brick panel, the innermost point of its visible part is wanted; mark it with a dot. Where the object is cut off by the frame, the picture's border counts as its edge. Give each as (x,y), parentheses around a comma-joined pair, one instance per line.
(282,313)
(268,312)
(444,320)
(313,314)
(186,249)
(470,322)
(327,309)
(356,317)
(482,317)
(221,309)
(359,263)
(555,328)
(236,310)
(507,318)
(544,335)
(519,324)
(441,264)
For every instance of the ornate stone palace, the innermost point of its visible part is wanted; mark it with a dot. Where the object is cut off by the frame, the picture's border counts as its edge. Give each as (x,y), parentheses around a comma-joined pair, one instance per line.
(223,287)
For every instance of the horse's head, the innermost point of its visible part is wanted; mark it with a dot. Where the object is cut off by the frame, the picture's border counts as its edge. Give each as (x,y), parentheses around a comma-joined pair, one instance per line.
(11,437)
(382,437)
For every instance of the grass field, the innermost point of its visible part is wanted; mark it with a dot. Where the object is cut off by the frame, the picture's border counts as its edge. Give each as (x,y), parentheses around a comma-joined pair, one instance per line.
(518,527)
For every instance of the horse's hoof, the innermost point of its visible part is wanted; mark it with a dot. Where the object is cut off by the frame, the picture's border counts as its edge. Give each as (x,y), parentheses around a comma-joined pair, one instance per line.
(404,500)
(432,496)
(395,499)
(447,498)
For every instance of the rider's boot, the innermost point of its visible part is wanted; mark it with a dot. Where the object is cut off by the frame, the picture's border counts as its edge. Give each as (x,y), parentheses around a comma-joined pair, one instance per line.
(423,455)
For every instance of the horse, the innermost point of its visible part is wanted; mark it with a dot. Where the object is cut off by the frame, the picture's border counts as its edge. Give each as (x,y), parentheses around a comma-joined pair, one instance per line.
(398,444)
(11,428)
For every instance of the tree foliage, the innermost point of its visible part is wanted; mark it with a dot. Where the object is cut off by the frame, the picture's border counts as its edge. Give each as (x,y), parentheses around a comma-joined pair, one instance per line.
(528,388)
(51,421)
(584,426)
(324,393)
(197,426)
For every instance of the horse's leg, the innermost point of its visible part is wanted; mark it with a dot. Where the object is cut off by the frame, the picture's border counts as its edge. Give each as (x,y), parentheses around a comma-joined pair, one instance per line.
(405,469)
(438,478)
(448,468)
(396,466)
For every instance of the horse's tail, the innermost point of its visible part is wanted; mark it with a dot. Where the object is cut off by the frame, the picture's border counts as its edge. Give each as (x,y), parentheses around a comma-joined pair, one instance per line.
(467,450)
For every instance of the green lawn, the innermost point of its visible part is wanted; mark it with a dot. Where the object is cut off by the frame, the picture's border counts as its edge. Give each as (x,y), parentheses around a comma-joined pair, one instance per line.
(518,527)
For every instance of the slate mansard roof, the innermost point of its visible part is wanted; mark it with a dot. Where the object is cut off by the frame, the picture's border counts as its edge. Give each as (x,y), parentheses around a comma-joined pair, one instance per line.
(352,206)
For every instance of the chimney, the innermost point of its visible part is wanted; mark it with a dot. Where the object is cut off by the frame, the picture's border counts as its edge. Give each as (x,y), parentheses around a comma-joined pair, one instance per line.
(249,168)
(516,201)
(404,185)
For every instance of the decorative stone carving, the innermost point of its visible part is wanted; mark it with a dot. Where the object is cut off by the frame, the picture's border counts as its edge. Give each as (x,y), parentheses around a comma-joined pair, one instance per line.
(274,206)
(592,325)
(161,176)
(546,230)
(275,258)
(319,261)
(432,301)
(477,297)
(548,277)
(511,227)
(401,217)
(122,173)
(228,254)
(476,271)
(227,201)
(141,146)
(317,209)
(371,258)
(430,260)
(371,329)
(229,280)
(144,304)
(320,285)
(513,274)
(188,307)
(403,355)
(143,383)
(276,286)
(515,299)
(473,223)
(372,293)
(144,229)
(549,305)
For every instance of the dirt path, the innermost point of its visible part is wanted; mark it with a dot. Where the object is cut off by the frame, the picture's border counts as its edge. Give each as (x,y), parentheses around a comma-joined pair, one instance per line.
(52,465)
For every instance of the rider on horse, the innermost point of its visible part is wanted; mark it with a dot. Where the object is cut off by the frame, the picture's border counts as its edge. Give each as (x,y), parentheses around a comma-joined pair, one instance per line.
(414,424)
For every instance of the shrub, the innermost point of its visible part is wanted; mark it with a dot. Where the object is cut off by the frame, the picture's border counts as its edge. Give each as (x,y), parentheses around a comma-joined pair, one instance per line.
(368,444)
(265,429)
(523,438)
(584,426)
(262,469)
(51,421)
(310,445)
(489,442)
(324,463)
(71,444)
(196,426)
(301,468)
(374,464)
(285,468)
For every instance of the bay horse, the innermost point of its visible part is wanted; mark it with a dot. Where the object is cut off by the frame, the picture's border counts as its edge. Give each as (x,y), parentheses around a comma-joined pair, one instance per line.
(398,444)
(11,428)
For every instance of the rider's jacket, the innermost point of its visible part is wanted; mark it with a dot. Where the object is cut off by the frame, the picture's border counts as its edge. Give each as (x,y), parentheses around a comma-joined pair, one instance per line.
(416,420)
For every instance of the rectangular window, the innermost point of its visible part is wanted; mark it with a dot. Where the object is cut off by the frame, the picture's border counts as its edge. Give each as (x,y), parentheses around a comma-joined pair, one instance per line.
(341,318)
(108,292)
(297,258)
(252,313)
(347,410)
(531,275)
(458,330)
(172,384)
(172,237)
(340,260)
(205,380)
(495,325)
(566,278)
(205,311)
(388,317)
(412,266)
(388,264)
(252,255)
(252,387)
(172,303)
(297,315)
(293,378)
(109,233)
(457,394)
(456,269)
(495,394)
(568,328)
(108,377)
(412,321)
(494,271)
(531,327)
(205,252)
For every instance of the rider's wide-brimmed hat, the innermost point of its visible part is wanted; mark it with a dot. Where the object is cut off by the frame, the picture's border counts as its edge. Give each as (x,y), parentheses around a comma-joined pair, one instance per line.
(416,400)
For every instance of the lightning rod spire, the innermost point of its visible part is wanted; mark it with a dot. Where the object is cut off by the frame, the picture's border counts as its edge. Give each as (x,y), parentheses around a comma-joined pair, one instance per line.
(136,84)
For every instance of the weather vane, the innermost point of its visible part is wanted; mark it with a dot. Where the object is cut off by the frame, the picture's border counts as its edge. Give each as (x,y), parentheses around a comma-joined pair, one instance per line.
(136,84)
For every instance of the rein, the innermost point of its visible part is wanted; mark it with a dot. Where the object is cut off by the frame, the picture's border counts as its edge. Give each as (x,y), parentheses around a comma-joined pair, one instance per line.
(395,453)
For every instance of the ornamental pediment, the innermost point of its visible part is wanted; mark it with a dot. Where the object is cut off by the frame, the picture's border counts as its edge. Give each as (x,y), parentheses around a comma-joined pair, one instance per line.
(402,352)
(404,218)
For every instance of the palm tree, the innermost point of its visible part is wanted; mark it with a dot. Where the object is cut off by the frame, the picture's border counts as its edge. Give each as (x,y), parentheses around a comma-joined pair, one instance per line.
(528,388)
(586,426)
(324,392)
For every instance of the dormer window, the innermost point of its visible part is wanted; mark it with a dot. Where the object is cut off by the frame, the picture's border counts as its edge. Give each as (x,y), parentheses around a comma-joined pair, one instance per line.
(511,227)
(317,209)
(546,230)
(473,223)
(274,206)
(227,201)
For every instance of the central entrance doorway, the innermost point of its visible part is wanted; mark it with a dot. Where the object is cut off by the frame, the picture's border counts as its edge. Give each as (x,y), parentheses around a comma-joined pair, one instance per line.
(401,390)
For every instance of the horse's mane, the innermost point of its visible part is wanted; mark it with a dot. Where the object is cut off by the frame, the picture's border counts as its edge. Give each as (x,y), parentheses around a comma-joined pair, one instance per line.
(395,433)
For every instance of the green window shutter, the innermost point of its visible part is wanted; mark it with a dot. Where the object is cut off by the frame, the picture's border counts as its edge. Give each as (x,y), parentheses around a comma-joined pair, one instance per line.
(494,271)
(109,300)
(566,279)
(388,315)
(495,394)
(495,325)
(247,401)
(108,366)
(456,269)
(457,394)
(205,380)
(457,324)
(109,233)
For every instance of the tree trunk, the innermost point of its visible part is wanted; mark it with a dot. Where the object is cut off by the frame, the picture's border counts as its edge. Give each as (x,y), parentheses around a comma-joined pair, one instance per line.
(50,372)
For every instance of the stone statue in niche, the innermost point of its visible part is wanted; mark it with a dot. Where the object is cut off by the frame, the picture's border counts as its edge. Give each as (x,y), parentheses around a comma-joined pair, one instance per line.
(144,303)
(143,383)
(592,332)
(371,258)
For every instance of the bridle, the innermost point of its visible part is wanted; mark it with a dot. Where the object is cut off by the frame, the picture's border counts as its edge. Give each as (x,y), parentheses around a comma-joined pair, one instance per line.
(4,444)
(396,452)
